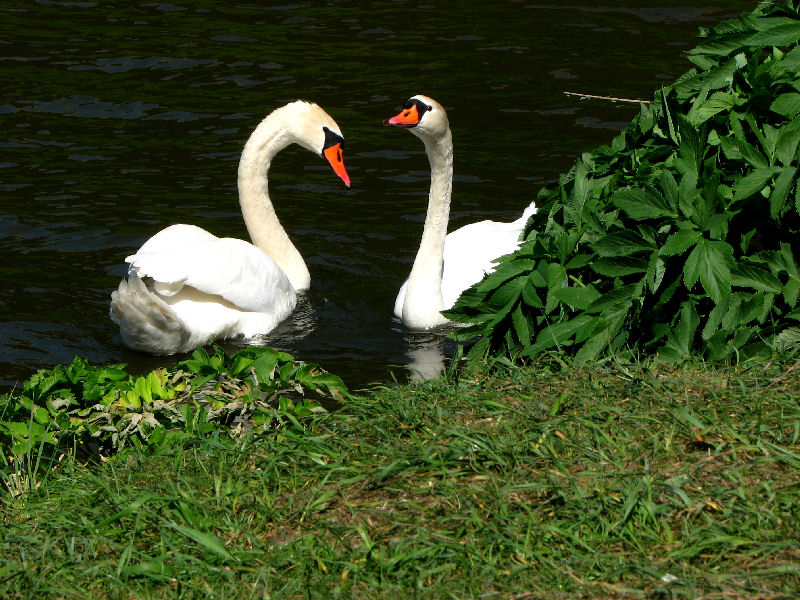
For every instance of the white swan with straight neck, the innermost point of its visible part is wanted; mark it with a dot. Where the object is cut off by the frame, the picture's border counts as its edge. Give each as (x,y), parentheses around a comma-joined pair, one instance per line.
(186,287)
(446,264)
(423,299)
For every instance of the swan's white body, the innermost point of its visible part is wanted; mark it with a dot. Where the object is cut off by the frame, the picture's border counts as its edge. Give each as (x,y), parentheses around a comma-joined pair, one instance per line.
(469,255)
(446,264)
(186,287)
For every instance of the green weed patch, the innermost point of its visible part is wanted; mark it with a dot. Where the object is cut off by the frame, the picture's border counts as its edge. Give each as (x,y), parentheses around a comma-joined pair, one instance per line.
(107,409)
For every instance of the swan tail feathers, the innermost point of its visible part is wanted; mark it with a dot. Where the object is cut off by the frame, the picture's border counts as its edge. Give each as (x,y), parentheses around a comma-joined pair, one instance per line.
(528,213)
(146,322)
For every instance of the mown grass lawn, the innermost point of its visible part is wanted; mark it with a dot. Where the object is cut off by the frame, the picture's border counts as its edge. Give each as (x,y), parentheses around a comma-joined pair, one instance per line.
(548,481)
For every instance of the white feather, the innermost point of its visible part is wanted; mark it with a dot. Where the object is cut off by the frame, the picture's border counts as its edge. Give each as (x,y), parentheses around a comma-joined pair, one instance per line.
(186,255)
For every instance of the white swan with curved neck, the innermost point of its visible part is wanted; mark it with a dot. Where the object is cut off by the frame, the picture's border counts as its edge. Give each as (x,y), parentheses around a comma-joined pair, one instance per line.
(446,264)
(186,287)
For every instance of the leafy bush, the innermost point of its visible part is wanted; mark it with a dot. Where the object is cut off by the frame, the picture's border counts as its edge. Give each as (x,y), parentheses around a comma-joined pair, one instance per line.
(109,408)
(679,238)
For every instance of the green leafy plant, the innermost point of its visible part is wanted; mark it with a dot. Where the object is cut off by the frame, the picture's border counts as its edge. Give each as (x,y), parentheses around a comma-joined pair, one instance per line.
(679,238)
(107,408)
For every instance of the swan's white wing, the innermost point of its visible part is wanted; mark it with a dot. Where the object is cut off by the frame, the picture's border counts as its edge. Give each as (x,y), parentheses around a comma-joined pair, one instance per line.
(470,252)
(526,214)
(185,255)
(400,299)
(145,321)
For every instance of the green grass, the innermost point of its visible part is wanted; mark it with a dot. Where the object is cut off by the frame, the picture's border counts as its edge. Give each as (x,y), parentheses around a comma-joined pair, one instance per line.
(537,482)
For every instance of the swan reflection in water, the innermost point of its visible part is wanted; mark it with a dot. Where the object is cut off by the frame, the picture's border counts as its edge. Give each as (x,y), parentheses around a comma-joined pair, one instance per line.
(419,356)
(300,324)
(427,353)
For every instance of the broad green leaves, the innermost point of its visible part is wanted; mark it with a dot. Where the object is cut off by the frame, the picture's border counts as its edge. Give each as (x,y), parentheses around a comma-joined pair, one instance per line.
(641,204)
(753,182)
(787,32)
(711,263)
(198,396)
(681,237)
(717,103)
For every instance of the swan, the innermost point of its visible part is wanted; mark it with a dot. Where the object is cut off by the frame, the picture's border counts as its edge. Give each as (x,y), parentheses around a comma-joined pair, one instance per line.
(186,287)
(446,264)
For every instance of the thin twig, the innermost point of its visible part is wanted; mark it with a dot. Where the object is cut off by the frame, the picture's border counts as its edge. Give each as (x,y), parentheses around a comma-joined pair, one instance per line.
(612,98)
(785,374)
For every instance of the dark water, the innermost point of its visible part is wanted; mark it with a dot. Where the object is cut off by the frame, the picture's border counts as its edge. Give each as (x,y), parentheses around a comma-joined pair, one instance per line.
(116,122)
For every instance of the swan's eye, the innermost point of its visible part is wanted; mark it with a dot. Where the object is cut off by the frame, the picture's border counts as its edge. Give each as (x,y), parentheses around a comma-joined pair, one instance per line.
(331,138)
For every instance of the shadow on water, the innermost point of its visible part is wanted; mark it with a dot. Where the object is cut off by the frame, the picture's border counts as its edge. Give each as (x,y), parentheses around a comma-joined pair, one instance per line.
(120,121)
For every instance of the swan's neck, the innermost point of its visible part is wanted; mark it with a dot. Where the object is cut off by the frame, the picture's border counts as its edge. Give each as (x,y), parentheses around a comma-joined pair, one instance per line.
(266,232)
(423,299)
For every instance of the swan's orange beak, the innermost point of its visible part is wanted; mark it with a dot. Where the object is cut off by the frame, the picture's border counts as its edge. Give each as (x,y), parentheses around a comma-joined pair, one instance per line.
(333,154)
(408,117)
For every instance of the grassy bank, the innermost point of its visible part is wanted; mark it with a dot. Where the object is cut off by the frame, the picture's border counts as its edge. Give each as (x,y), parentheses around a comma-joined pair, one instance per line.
(541,482)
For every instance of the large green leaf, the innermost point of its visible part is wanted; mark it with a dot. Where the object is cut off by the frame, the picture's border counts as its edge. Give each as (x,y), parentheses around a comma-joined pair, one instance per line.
(736,147)
(530,297)
(620,266)
(656,269)
(680,241)
(717,47)
(680,339)
(787,105)
(508,270)
(791,61)
(621,243)
(710,261)
(786,33)
(641,203)
(614,299)
(787,142)
(522,326)
(754,182)
(559,334)
(717,103)
(722,76)
(744,275)
(576,296)
(606,330)
(780,193)
(508,292)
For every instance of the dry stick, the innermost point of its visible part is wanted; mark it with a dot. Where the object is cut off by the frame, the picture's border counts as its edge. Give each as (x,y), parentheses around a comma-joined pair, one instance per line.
(612,98)
(783,376)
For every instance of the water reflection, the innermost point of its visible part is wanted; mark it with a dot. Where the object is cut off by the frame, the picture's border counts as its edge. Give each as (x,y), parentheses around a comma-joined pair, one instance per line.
(426,353)
(301,323)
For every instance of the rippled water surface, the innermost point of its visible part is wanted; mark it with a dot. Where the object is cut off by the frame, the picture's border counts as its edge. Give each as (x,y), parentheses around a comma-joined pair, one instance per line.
(117,122)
